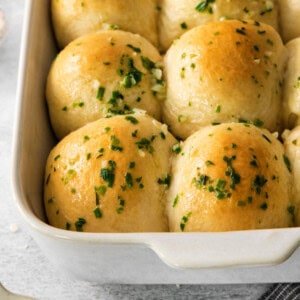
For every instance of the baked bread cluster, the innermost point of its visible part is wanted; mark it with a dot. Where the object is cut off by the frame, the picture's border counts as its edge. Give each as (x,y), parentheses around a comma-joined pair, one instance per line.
(169,116)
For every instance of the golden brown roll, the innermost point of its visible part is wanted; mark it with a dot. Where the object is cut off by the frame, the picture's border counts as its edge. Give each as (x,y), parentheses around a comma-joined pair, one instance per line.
(110,176)
(292,150)
(289,19)
(223,72)
(291,86)
(230,177)
(102,74)
(74,18)
(178,16)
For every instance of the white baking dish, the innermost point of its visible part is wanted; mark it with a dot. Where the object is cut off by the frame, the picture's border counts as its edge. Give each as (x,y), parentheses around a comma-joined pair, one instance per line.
(232,257)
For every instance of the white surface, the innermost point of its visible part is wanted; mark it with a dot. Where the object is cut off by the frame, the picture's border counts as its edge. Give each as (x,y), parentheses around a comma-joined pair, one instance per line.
(23,268)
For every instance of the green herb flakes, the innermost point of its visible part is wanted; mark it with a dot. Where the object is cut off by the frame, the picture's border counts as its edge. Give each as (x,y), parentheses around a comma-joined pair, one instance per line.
(115,144)
(135,49)
(100,93)
(134,133)
(218,109)
(132,77)
(100,152)
(121,205)
(107,174)
(131,165)
(86,138)
(209,163)
(287,163)
(97,213)
(266,138)
(162,135)
(146,144)
(164,181)
(70,175)
(205,6)
(258,123)
(147,63)
(100,190)
(183,26)
(175,202)
(48,178)
(79,224)
(131,119)
(128,180)
(68,226)
(184,220)
(258,182)
(264,206)
(176,148)
(241,31)
(201,181)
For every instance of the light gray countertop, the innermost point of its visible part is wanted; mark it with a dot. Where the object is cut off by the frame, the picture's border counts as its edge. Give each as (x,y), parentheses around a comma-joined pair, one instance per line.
(23,267)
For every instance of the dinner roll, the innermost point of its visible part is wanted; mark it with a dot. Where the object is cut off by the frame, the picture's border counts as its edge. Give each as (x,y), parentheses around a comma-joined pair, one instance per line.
(110,176)
(178,16)
(230,177)
(292,150)
(102,74)
(222,72)
(291,86)
(289,19)
(73,18)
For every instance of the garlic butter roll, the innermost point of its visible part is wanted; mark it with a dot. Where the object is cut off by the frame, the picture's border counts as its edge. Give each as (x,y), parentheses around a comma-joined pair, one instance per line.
(230,177)
(110,176)
(74,18)
(224,72)
(103,74)
(178,16)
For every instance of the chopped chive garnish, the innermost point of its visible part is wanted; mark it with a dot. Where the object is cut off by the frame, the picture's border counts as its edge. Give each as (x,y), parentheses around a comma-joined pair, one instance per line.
(97,212)
(79,224)
(264,206)
(100,93)
(184,220)
(131,119)
(129,180)
(108,175)
(135,49)
(175,202)
(164,181)
(266,138)
(287,163)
